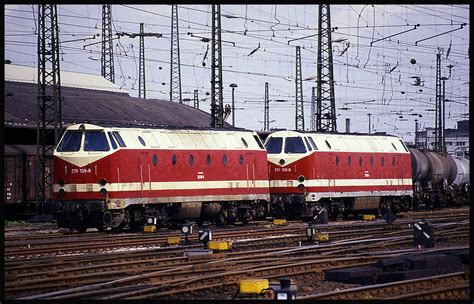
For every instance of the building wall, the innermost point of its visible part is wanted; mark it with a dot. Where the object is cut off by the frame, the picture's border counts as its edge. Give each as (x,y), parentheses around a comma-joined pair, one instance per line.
(457,140)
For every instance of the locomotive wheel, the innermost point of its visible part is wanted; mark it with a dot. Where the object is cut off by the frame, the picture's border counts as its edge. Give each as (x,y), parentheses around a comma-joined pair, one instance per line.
(119,227)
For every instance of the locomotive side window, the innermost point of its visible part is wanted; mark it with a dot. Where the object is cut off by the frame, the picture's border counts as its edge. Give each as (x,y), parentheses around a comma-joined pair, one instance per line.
(173,159)
(191,160)
(349,161)
(382,161)
(308,144)
(140,139)
(274,145)
(112,141)
(208,160)
(371,161)
(393,161)
(119,139)
(294,145)
(360,161)
(241,159)
(71,142)
(95,141)
(224,160)
(154,159)
(337,161)
(244,142)
(312,143)
(327,143)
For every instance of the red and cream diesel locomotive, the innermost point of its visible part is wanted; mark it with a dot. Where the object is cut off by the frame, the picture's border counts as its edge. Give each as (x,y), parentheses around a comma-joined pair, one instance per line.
(108,177)
(116,177)
(338,172)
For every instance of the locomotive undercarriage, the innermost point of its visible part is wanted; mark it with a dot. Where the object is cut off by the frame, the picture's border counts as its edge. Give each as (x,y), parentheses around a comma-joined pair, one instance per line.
(294,206)
(93,214)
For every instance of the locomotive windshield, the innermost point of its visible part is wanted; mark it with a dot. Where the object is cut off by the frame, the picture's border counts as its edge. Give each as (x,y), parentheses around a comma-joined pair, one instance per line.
(71,142)
(274,145)
(294,145)
(95,141)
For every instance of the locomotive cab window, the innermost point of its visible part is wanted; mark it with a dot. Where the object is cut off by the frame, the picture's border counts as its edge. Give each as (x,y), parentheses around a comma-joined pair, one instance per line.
(294,145)
(71,142)
(308,144)
(259,142)
(112,141)
(95,141)
(403,145)
(312,143)
(119,139)
(274,145)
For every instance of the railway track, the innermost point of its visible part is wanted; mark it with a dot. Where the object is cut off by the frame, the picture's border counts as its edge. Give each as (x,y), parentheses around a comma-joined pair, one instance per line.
(425,287)
(164,272)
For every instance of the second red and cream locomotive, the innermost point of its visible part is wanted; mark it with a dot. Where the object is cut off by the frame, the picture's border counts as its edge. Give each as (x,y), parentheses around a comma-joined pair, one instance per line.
(338,172)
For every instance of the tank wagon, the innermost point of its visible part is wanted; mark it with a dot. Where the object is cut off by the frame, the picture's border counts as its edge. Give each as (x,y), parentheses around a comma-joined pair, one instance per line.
(439,179)
(117,177)
(339,172)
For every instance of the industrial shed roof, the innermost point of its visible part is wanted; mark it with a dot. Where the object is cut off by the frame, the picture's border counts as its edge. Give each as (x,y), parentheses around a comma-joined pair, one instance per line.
(105,108)
(26,74)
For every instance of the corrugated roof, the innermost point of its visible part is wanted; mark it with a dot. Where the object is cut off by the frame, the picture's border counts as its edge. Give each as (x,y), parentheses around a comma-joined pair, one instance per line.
(26,74)
(104,108)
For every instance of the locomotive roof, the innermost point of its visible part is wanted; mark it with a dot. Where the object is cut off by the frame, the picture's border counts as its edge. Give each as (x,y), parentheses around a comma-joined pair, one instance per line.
(350,142)
(98,103)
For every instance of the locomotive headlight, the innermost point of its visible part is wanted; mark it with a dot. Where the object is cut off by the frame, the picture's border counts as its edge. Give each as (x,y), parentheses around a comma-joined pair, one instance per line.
(301,178)
(282,161)
(102,182)
(61,192)
(61,182)
(103,191)
(150,220)
(301,187)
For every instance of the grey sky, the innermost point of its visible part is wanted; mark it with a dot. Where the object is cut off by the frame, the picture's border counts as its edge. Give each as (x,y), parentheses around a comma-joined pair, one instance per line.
(377,79)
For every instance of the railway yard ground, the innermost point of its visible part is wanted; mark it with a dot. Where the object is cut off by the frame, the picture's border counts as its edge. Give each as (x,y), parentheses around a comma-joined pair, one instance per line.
(353,259)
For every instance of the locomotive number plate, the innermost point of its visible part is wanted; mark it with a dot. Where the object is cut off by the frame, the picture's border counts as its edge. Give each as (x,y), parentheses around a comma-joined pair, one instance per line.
(82,170)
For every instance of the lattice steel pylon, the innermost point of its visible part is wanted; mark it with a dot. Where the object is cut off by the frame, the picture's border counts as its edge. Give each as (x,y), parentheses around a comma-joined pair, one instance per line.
(217,103)
(196,99)
(266,110)
(141,63)
(438,116)
(175,74)
(107,59)
(299,117)
(49,124)
(141,66)
(313,109)
(326,108)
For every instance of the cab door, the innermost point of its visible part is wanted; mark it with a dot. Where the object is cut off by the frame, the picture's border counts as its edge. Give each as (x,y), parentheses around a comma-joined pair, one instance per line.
(145,174)
(250,168)
(331,170)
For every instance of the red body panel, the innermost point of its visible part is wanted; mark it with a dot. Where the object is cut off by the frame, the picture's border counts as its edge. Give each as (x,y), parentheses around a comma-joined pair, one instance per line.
(131,166)
(322,166)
